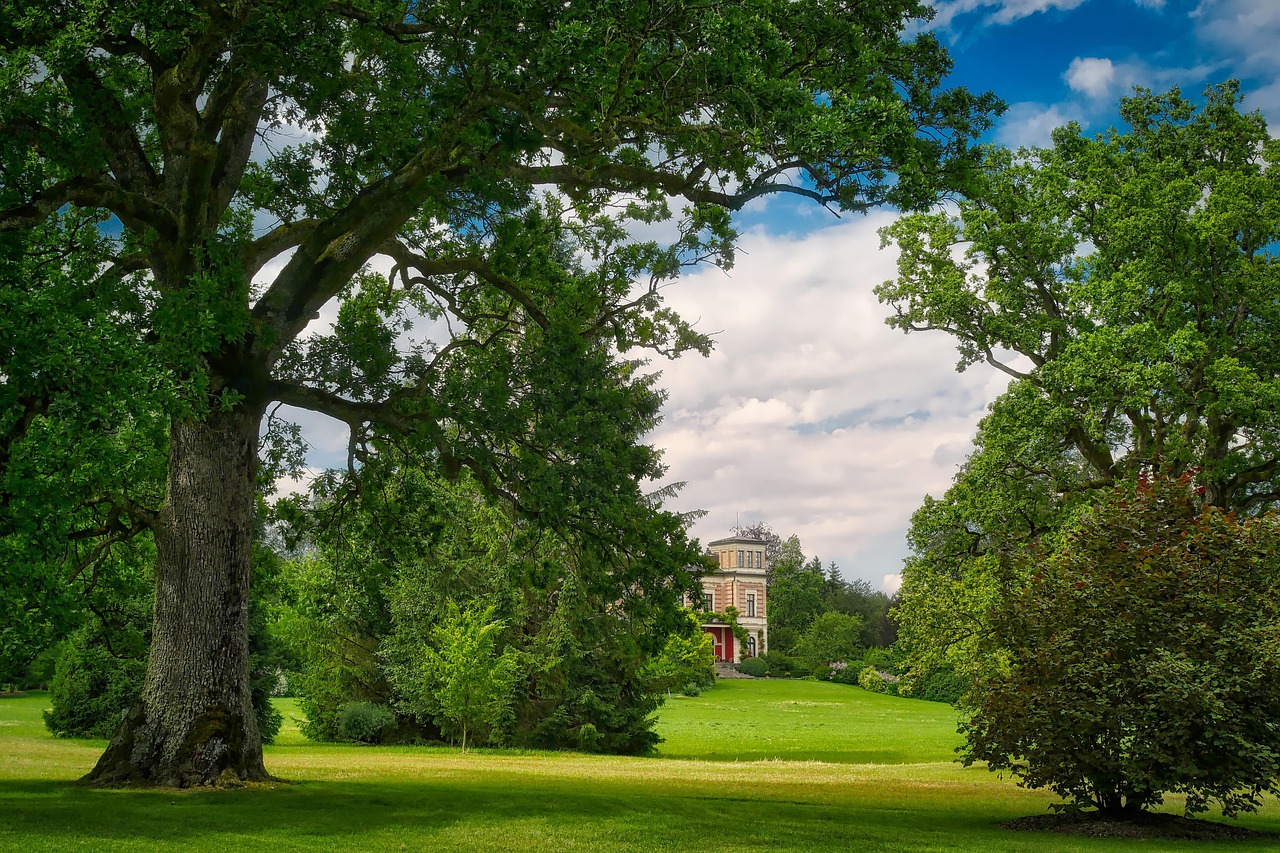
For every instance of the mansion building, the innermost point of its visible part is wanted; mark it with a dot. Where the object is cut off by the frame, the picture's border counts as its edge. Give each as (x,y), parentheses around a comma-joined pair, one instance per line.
(738,581)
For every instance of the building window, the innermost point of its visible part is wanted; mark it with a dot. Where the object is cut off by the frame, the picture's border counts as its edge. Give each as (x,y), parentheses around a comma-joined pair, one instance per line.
(751,604)
(751,647)
(759,559)
(739,559)
(711,601)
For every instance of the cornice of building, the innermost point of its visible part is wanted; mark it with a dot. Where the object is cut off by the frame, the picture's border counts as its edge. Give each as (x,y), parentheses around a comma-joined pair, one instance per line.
(737,540)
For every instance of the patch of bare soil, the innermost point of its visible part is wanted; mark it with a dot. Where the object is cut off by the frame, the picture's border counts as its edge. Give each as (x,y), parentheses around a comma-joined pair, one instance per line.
(1168,827)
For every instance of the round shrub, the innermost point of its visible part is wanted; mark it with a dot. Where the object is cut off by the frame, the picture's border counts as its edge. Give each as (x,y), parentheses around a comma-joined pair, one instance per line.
(780,665)
(756,666)
(365,722)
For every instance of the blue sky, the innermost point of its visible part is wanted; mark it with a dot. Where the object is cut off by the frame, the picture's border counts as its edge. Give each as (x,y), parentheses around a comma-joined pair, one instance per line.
(814,416)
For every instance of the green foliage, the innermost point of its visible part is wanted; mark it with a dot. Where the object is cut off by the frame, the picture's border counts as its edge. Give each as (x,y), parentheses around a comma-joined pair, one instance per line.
(755,666)
(1134,275)
(687,661)
(831,637)
(464,680)
(92,688)
(585,616)
(795,595)
(942,683)
(329,621)
(885,660)
(365,722)
(800,590)
(869,678)
(36,675)
(780,665)
(1142,658)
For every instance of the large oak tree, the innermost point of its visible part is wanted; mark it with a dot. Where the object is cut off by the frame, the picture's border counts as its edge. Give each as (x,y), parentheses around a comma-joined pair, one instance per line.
(1127,282)
(204,177)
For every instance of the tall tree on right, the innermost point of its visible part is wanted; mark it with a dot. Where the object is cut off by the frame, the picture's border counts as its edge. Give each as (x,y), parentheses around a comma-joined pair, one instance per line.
(1127,283)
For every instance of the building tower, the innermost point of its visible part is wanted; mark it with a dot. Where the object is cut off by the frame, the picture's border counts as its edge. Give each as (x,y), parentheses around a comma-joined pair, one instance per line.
(739,581)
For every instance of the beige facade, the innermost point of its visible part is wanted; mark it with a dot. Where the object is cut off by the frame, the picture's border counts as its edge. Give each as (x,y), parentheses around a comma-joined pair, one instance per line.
(738,581)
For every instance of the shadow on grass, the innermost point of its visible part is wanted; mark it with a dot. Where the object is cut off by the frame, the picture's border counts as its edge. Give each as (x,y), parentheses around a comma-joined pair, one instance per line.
(367,814)
(490,813)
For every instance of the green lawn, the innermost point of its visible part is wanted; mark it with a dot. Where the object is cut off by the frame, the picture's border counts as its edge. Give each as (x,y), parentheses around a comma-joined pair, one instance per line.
(807,721)
(739,771)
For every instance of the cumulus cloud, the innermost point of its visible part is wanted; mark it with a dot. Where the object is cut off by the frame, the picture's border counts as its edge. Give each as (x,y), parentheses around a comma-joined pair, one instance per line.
(811,413)
(1091,75)
(1248,29)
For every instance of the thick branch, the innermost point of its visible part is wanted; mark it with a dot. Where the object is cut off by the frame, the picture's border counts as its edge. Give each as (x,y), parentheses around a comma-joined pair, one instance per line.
(134,209)
(354,413)
(236,115)
(335,249)
(280,239)
(686,186)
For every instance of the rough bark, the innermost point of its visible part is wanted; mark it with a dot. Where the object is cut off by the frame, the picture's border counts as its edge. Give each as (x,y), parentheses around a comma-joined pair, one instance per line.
(193,723)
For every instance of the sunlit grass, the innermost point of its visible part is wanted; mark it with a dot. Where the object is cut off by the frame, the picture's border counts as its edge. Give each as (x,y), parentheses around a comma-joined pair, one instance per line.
(890,784)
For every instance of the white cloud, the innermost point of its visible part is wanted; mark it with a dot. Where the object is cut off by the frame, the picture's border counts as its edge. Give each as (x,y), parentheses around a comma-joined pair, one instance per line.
(1246,33)
(812,414)
(1028,123)
(1245,29)
(997,11)
(892,583)
(1091,75)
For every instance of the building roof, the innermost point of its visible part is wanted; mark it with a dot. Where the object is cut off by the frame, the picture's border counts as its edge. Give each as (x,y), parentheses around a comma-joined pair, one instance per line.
(737,540)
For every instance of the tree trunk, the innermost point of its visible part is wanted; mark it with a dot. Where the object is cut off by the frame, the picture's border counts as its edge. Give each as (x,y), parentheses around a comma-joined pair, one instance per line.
(193,723)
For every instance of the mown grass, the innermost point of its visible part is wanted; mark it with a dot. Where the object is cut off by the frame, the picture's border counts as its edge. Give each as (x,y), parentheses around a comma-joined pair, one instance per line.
(888,783)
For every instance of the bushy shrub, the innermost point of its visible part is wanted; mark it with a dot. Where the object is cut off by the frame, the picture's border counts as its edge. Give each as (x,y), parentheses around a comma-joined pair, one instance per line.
(843,672)
(1142,659)
(831,637)
(687,662)
(872,679)
(780,665)
(365,722)
(91,689)
(885,660)
(756,666)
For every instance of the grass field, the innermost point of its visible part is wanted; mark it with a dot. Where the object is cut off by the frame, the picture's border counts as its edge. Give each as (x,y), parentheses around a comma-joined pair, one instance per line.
(750,765)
